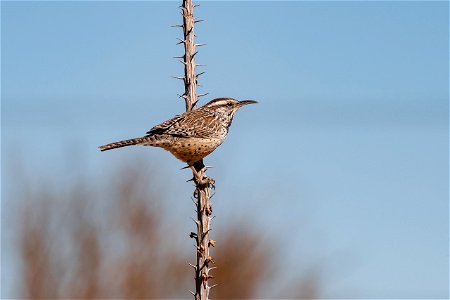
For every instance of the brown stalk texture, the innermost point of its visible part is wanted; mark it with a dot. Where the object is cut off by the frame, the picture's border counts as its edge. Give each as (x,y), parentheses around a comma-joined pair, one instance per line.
(203,184)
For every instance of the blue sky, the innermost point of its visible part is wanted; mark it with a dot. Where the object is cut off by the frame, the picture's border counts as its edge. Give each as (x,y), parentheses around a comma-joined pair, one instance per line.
(348,146)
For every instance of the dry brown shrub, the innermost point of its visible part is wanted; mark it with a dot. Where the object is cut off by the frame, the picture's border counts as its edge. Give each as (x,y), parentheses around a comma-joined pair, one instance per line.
(93,241)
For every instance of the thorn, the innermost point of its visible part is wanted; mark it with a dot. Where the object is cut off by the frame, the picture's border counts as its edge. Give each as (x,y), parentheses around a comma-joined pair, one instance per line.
(198,21)
(180,41)
(212,268)
(179,77)
(199,74)
(177,25)
(195,267)
(192,179)
(182,62)
(205,278)
(193,55)
(178,57)
(208,260)
(196,5)
(206,232)
(201,249)
(208,210)
(200,45)
(193,292)
(182,96)
(214,285)
(201,95)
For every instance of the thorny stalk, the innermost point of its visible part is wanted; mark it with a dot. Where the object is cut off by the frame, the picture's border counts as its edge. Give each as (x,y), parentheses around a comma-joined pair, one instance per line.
(203,184)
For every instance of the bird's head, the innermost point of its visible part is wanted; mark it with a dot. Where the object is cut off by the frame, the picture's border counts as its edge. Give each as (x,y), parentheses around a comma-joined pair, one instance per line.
(227,106)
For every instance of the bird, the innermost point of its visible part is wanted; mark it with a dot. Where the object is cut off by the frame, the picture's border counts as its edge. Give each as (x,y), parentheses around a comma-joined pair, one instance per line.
(193,135)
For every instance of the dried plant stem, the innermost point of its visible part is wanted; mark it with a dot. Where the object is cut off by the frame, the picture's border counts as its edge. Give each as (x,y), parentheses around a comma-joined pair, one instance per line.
(190,79)
(203,184)
(204,209)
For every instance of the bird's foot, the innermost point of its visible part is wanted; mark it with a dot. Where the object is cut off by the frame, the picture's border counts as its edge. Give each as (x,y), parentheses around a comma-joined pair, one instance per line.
(200,179)
(209,181)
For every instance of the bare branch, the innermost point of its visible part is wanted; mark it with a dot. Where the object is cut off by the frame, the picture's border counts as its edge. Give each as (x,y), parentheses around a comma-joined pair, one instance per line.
(203,184)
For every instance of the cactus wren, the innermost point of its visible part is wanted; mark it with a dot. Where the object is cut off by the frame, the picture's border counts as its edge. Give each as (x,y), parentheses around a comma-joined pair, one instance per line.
(192,135)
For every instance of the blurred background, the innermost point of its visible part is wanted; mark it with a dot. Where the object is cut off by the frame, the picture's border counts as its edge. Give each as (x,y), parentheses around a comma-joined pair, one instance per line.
(334,186)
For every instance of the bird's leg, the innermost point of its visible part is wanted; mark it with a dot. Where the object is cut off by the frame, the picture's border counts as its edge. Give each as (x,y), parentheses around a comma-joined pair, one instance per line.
(196,174)
(198,165)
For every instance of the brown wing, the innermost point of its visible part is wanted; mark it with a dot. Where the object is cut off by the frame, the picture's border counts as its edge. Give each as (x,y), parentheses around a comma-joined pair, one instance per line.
(165,126)
(197,123)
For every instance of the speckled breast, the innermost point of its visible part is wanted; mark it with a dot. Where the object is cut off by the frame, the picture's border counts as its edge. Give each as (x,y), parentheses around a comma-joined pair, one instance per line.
(192,149)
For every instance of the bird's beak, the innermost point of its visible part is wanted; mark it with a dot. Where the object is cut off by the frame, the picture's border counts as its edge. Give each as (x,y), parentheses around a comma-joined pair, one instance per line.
(245,102)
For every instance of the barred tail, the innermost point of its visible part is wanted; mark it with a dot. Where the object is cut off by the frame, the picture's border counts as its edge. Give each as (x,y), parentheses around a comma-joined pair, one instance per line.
(130,142)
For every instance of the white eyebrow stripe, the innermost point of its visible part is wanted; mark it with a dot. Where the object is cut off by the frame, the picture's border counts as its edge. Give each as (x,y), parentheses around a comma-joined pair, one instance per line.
(219,103)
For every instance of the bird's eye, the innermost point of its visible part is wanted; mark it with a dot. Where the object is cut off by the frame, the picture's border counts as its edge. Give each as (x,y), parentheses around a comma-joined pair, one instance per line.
(230,104)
